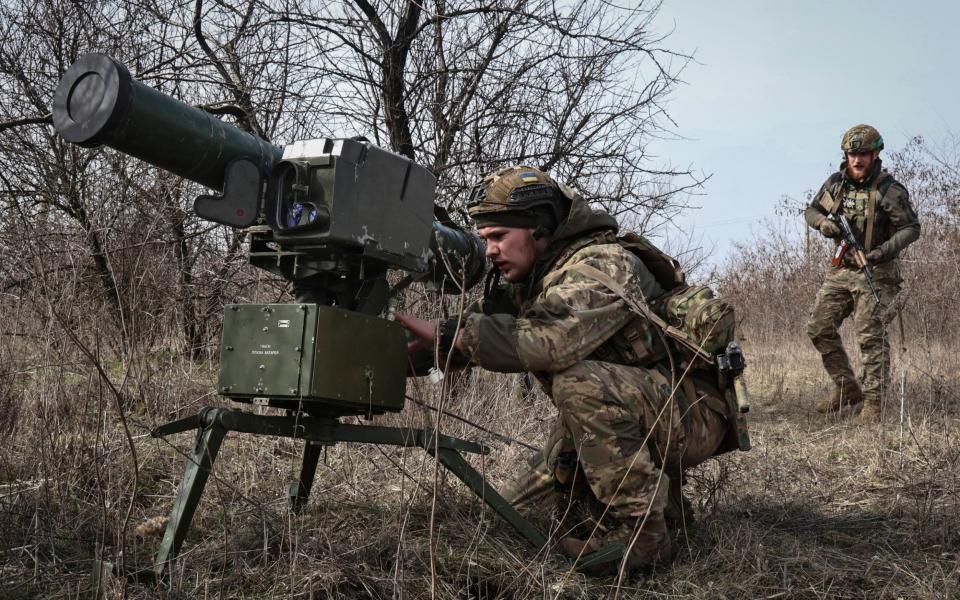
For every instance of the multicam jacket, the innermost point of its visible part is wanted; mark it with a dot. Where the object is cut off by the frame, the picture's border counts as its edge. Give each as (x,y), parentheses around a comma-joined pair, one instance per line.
(558,317)
(878,208)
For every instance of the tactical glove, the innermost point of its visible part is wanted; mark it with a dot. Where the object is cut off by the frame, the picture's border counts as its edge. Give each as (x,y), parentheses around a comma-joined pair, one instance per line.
(874,256)
(828,228)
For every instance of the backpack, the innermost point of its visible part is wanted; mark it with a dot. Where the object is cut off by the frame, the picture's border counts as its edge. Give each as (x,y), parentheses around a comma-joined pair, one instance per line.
(694,316)
(699,323)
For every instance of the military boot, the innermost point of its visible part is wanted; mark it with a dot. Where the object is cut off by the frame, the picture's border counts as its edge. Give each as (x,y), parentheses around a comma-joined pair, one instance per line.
(870,413)
(848,394)
(651,548)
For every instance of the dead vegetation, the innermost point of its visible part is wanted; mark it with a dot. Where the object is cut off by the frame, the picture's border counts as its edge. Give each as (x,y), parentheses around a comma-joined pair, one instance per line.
(110,293)
(821,507)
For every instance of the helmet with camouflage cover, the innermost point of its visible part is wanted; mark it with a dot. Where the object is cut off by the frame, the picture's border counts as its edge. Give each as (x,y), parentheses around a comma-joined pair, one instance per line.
(861,138)
(519,196)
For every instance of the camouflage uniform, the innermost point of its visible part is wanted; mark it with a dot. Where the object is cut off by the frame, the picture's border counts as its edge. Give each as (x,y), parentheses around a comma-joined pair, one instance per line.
(616,421)
(845,292)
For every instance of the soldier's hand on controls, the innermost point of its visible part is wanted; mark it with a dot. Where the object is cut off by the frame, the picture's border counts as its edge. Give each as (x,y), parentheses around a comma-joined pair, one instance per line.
(424,332)
(828,228)
(874,256)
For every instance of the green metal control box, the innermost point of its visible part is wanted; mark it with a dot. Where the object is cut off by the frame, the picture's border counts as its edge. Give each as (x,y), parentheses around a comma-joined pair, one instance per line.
(320,358)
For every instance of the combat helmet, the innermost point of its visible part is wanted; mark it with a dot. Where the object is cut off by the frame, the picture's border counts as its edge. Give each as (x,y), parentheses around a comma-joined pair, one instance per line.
(861,138)
(519,196)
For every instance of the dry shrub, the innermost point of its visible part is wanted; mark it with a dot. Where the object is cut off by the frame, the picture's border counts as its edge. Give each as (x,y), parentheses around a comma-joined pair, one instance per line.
(773,278)
(822,507)
(841,509)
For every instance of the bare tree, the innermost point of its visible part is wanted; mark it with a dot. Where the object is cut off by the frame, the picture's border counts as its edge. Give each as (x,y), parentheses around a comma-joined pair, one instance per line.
(462,86)
(465,86)
(132,223)
(105,267)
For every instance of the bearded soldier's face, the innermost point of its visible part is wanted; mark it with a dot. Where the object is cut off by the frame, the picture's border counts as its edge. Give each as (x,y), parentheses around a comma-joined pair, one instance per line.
(860,163)
(513,250)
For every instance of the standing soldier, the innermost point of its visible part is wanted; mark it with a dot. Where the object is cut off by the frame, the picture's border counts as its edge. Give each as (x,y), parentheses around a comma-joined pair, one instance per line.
(566,314)
(884,223)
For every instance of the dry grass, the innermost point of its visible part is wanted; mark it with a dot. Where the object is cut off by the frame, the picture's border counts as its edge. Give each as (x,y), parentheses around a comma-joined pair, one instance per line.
(822,507)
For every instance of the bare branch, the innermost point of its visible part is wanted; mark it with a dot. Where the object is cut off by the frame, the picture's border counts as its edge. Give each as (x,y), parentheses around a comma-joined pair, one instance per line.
(46,119)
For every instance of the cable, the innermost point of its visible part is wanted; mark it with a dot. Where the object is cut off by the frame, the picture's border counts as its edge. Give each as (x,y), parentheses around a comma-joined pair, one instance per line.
(499,436)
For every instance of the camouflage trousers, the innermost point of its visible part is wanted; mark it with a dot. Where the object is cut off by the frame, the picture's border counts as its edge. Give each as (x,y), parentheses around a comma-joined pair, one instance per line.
(845,292)
(615,427)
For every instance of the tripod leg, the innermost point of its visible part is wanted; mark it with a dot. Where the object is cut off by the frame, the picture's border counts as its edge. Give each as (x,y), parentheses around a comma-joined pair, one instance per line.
(185,504)
(299,492)
(452,460)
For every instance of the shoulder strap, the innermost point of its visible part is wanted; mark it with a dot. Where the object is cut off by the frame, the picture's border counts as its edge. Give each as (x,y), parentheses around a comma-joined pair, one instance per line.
(614,286)
(604,237)
(664,268)
(554,265)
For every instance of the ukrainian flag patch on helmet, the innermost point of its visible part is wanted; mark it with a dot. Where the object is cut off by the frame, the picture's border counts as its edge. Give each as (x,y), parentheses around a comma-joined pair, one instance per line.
(529,177)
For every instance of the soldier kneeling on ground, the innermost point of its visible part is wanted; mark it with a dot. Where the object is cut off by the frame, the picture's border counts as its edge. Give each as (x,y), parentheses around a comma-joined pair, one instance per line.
(579,311)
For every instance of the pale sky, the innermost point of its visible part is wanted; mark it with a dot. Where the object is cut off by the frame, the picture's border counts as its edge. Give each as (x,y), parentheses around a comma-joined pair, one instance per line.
(776,83)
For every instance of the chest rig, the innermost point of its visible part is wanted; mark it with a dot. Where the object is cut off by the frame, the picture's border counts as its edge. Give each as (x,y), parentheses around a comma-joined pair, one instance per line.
(860,205)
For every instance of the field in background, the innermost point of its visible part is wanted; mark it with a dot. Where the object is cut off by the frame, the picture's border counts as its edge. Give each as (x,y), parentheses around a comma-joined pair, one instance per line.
(822,507)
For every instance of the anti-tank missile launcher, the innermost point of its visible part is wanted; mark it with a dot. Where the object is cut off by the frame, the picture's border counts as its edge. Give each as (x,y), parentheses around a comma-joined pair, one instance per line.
(330,215)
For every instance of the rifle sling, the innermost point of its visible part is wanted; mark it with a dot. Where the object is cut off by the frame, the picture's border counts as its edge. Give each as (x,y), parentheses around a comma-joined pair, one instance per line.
(832,205)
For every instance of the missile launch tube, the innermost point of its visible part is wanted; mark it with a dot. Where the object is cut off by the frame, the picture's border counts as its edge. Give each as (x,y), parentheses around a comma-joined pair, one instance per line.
(98,103)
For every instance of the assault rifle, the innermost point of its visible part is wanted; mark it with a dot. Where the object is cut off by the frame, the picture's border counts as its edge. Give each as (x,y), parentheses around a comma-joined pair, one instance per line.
(847,243)
(332,216)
